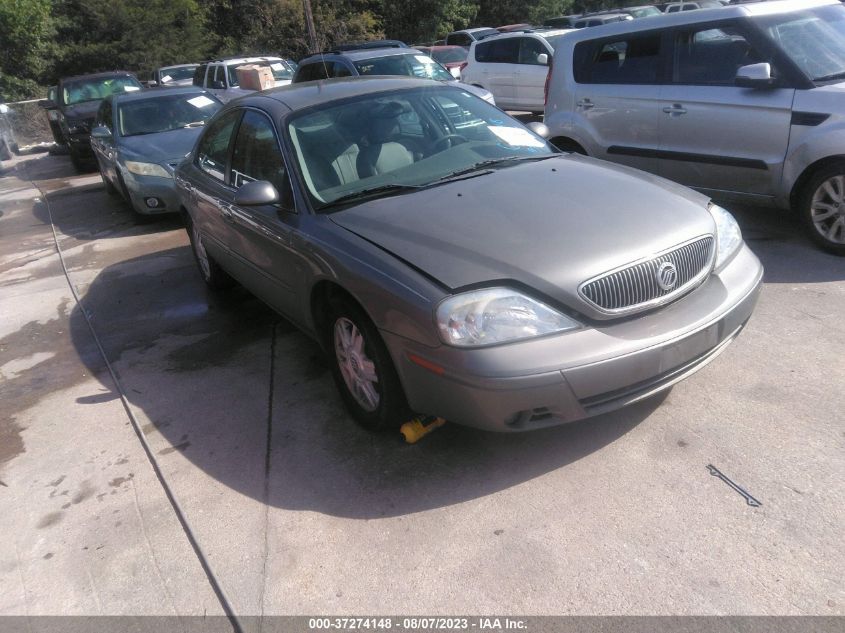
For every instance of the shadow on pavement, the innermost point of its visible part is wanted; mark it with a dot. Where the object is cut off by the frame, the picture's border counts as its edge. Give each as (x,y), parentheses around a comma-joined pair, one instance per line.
(779,239)
(198,365)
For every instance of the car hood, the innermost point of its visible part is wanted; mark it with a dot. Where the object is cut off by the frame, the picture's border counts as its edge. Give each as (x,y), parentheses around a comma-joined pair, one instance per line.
(87,110)
(547,225)
(161,147)
(823,99)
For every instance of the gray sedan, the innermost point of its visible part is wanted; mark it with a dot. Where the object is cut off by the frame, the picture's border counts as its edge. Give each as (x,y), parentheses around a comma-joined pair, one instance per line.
(452,263)
(138,139)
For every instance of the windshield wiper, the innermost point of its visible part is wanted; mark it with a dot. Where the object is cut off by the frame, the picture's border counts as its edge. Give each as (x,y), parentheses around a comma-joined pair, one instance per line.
(481,167)
(369,194)
(195,124)
(839,75)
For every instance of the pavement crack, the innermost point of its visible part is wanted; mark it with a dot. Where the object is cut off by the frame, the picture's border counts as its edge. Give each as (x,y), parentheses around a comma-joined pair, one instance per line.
(268,453)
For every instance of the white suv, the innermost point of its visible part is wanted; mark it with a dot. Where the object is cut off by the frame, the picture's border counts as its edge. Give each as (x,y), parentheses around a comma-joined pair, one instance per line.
(513,67)
(742,102)
(220,78)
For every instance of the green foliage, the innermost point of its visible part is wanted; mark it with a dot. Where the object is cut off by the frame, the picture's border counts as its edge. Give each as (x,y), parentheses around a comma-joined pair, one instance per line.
(426,20)
(26,28)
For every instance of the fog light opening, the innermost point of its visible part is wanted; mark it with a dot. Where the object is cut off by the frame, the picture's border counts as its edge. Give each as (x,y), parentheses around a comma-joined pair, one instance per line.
(152,203)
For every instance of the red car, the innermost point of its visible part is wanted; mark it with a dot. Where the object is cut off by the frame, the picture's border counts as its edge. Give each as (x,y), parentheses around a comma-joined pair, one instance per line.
(454,58)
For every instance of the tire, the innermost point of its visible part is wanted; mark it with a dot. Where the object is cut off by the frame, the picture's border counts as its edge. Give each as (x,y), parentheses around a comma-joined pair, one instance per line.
(5,153)
(110,188)
(77,162)
(362,368)
(212,274)
(822,207)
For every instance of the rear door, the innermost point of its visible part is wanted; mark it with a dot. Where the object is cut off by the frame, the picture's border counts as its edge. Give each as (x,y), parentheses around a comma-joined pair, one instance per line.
(715,135)
(530,78)
(617,97)
(498,65)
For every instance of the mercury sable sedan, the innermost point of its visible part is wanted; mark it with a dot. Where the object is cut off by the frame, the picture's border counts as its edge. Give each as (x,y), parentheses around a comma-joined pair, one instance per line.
(453,263)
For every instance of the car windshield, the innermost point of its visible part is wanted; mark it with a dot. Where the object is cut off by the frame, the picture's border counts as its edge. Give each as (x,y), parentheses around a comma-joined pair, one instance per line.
(165,112)
(480,35)
(644,12)
(415,65)
(387,143)
(812,38)
(280,68)
(450,55)
(80,90)
(177,73)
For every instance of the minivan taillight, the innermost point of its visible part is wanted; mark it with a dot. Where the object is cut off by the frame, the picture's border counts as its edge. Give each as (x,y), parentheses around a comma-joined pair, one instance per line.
(546,85)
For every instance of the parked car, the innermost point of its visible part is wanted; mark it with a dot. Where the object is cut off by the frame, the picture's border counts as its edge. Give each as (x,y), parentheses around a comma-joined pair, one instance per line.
(139,138)
(354,46)
(452,58)
(742,102)
(643,11)
(511,28)
(220,77)
(78,99)
(8,143)
(562,22)
(178,75)
(466,37)
(513,67)
(601,20)
(408,62)
(692,5)
(387,218)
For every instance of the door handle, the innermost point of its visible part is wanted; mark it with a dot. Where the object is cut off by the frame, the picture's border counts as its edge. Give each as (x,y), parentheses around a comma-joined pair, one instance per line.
(585,104)
(675,108)
(226,211)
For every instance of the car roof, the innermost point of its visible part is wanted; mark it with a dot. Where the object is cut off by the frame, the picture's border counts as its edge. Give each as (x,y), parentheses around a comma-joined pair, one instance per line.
(475,29)
(179,66)
(552,32)
(310,93)
(361,53)
(141,95)
(682,18)
(101,75)
(245,60)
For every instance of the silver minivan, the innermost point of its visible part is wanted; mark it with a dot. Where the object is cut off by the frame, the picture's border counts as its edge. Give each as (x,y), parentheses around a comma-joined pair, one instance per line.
(744,103)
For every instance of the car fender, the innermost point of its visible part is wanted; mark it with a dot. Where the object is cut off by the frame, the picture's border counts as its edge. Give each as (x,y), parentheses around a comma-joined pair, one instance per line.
(808,145)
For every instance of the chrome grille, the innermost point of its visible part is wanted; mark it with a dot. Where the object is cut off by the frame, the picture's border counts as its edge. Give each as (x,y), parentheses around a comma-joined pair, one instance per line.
(635,287)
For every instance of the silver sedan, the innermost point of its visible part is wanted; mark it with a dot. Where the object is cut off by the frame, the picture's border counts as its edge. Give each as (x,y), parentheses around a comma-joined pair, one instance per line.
(453,263)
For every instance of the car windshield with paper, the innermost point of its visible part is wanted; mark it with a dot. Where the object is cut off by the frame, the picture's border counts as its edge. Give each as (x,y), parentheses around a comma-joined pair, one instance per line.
(165,113)
(411,140)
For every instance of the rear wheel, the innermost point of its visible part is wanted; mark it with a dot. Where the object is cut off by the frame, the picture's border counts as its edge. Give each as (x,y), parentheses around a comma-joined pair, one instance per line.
(77,161)
(214,277)
(822,207)
(362,368)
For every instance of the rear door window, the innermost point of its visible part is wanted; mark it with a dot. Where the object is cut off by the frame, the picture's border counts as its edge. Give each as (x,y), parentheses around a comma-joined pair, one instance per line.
(633,60)
(499,51)
(199,75)
(213,148)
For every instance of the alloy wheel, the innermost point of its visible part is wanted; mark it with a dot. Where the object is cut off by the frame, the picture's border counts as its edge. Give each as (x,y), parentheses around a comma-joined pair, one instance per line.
(358,370)
(199,250)
(827,209)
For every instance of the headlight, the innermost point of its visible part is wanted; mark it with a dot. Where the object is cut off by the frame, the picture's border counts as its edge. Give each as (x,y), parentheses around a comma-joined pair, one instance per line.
(147,169)
(728,235)
(496,315)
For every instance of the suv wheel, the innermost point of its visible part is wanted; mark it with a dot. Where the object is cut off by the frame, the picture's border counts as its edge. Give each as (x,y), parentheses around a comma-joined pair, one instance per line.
(822,207)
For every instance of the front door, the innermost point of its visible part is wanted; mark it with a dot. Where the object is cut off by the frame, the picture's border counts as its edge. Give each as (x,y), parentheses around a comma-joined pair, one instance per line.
(715,135)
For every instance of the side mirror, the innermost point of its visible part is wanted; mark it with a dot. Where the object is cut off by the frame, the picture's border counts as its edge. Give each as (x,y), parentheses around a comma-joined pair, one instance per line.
(4,109)
(256,193)
(755,76)
(543,59)
(539,129)
(101,132)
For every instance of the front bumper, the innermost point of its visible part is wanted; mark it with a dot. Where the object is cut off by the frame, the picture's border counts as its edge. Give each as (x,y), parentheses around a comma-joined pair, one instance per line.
(142,187)
(567,377)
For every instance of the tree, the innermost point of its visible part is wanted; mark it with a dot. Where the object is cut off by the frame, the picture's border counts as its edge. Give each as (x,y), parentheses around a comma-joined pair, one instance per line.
(26,28)
(426,20)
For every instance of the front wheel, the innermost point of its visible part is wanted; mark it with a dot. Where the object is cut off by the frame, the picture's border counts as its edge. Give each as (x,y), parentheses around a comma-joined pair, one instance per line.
(822,208)
(363,370)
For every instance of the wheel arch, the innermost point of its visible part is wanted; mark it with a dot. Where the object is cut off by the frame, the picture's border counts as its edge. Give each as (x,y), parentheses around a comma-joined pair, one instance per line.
(802,180)
(568,144)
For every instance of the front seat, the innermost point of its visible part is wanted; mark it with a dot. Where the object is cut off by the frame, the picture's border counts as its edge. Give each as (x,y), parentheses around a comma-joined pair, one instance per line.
(381,154)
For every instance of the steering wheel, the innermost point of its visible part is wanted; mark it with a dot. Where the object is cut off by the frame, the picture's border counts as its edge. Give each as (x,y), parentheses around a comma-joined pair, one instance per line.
(448,141)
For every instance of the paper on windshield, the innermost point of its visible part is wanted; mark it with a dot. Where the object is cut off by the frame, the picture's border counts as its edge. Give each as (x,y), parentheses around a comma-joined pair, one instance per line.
(516,137)
(200,102)
(278,66)
(166,78)
(130,88)
(424,59)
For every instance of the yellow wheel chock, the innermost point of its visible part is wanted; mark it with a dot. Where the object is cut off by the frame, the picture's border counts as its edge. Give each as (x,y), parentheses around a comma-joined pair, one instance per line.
(419,427)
